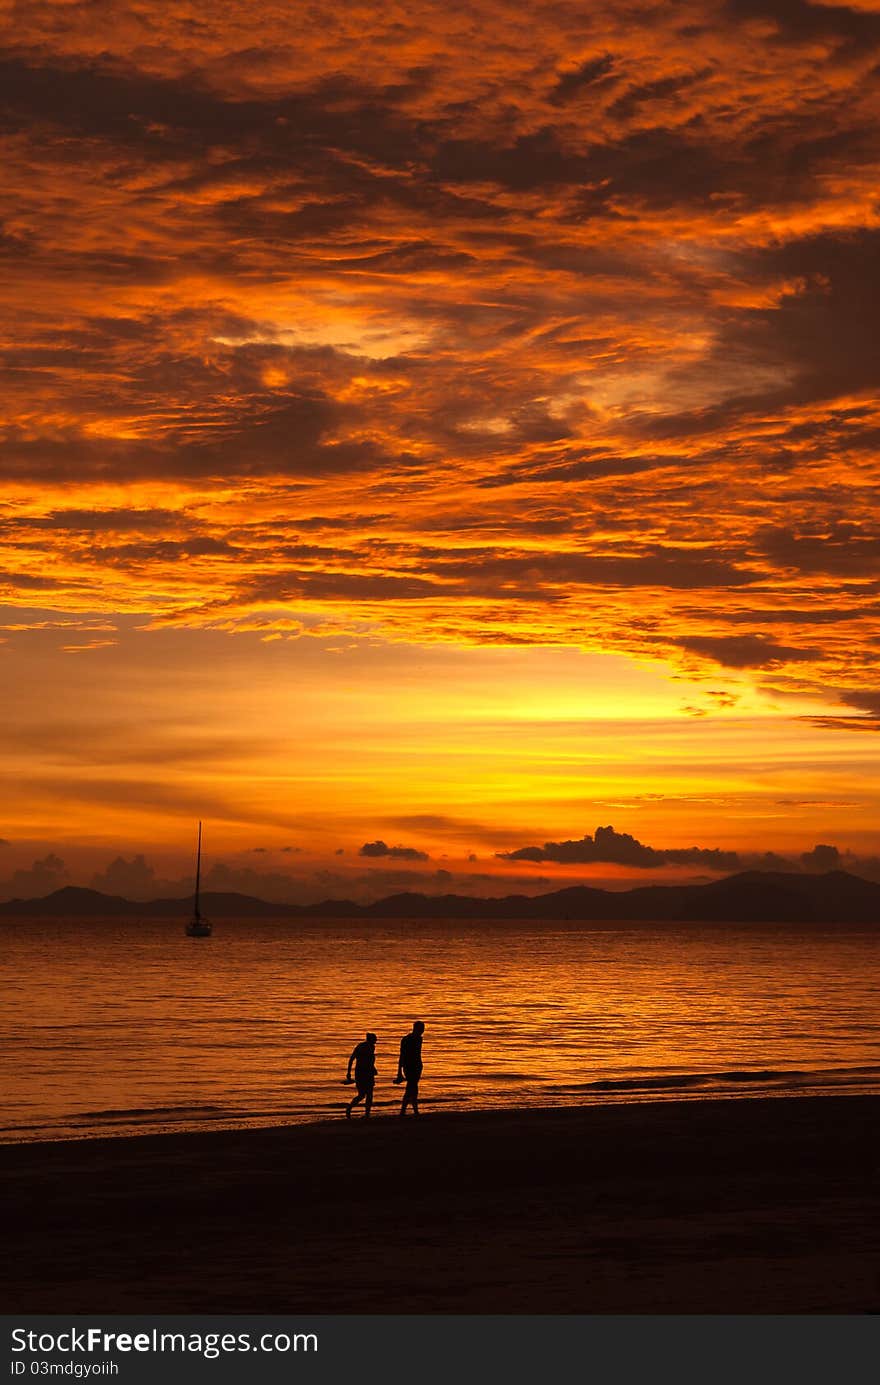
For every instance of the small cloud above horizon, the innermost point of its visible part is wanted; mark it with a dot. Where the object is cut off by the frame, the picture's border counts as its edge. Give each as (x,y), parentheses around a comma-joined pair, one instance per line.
(398,853)
(610,847)
(45,875)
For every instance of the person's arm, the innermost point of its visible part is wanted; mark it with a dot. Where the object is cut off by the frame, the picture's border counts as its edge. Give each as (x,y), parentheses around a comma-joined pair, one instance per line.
(351,1059)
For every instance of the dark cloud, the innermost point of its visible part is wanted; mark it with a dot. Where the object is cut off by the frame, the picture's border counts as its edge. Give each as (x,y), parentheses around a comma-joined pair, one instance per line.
(99,521)
(844,548)
(589,464)
(398,853)
(133,879)
(571,84)
(661,167)
(647,93)
(824,330)
(802,22)
(745,651)
(291,439)
(867,699)
(619,848)
(654,566)
(26,581)
(845,723)
(821,858)
(333,586)
(166,116)
(45,875)
(167,550)
(271,885)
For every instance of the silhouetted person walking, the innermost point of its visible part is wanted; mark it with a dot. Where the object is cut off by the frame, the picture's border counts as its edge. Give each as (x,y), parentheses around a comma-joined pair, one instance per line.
(409,1066)
(364,1058)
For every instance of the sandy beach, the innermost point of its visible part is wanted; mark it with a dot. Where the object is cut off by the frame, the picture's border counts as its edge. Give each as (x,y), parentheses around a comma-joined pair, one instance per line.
(756,1205)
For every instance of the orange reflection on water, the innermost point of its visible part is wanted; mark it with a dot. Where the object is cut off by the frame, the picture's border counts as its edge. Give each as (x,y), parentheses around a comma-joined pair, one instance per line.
(121,1027)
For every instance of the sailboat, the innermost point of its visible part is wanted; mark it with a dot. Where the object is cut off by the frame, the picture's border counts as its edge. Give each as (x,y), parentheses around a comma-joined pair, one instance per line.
(198,926)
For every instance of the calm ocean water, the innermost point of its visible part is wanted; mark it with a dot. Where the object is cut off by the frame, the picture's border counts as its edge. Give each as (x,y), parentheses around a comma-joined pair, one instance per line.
(112,1028)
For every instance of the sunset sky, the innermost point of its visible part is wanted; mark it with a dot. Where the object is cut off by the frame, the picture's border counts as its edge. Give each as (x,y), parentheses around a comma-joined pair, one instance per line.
(440,429)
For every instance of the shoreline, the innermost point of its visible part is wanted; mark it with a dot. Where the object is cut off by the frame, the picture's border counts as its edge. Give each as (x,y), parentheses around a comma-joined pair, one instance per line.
(721,1205)
(619,1095)
(659,1088)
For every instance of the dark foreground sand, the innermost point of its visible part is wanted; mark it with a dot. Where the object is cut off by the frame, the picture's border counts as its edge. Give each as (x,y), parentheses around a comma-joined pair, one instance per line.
(758,1205)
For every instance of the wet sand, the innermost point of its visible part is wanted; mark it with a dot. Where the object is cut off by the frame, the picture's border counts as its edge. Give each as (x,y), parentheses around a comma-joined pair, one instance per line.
(731,1206)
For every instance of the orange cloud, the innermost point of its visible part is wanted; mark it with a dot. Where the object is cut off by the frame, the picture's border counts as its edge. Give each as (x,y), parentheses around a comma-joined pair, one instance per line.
(335,333)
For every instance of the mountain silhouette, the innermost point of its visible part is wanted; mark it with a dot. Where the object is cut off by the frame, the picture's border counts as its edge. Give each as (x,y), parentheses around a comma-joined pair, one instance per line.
(749,897)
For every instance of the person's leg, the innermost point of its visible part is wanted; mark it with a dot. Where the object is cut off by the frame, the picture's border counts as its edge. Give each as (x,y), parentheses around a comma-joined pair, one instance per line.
(352,1104)
(368,1102)
(414,1097)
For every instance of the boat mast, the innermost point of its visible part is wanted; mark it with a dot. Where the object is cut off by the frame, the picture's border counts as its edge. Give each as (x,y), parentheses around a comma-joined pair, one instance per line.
(196,914)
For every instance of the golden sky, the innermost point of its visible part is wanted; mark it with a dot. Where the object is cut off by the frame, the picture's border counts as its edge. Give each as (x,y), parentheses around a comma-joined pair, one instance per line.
(452,427)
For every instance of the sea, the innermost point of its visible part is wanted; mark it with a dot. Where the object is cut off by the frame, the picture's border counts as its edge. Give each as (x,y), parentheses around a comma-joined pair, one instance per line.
(121,1028)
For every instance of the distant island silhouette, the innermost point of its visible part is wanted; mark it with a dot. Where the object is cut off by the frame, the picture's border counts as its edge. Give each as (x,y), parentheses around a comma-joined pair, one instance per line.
(748,897)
